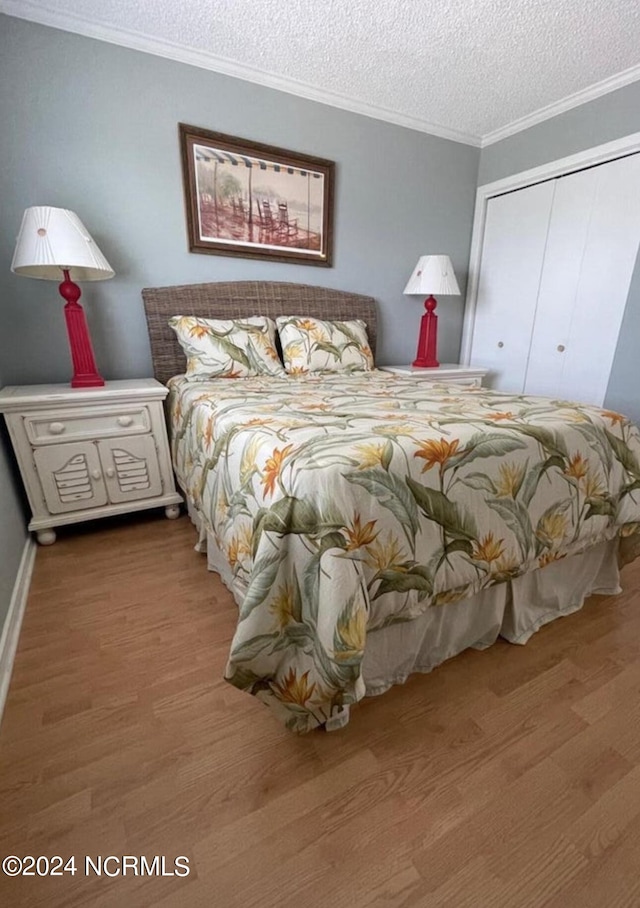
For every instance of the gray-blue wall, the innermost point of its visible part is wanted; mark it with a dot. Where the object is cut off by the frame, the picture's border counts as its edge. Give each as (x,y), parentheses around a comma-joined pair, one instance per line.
(607,118)
(13,533)
(93,127)
(13,511)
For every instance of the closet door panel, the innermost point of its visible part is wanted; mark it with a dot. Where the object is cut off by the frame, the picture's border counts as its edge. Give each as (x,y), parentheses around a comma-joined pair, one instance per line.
(571,213)
(605,277)
(512,257)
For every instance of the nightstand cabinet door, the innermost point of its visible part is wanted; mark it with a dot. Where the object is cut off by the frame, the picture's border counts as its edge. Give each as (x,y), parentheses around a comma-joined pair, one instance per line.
(130,468)
(71,476)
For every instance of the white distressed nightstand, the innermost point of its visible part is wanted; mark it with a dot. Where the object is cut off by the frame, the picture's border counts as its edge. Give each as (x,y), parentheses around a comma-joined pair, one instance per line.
(90,452)
(468,376)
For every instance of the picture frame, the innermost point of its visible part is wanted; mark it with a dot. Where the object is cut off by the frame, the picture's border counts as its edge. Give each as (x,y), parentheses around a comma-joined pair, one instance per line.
(248,199)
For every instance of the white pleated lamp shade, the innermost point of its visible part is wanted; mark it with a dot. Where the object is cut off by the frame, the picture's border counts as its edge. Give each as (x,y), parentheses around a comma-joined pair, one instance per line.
(54,239)
(434,275)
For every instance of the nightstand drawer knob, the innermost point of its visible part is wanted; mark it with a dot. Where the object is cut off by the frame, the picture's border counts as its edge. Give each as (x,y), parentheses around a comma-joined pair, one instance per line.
(125,420)
(110,472)
(501,343)
(95,474)
(56,428)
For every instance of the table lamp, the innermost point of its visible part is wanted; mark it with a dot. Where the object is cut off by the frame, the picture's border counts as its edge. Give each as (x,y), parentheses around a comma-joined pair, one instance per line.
(432,274)
(54,243)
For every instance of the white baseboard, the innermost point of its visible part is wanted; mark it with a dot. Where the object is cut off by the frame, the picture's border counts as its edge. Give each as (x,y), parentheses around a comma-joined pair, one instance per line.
(13,621)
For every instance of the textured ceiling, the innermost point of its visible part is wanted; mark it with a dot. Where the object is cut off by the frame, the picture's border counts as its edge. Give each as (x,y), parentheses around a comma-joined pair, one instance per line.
(465,68)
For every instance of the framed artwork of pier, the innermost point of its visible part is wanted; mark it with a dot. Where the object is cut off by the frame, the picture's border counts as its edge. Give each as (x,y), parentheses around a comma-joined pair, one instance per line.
(256,201)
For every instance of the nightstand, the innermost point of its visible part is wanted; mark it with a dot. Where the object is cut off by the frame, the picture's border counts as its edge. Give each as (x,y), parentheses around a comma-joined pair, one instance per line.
(86,453)
(467,376)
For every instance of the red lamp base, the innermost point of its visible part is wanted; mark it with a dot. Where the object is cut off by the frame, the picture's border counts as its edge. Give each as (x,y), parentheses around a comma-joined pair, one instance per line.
(427,344)
(85,371)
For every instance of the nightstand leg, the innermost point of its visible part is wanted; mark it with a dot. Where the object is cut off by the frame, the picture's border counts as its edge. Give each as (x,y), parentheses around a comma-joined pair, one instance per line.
(172,511)
(46,537)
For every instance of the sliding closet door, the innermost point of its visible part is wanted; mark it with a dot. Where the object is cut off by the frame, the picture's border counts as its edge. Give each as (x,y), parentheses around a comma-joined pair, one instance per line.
(566,242)
(605,278)
(593,239)
(512,257)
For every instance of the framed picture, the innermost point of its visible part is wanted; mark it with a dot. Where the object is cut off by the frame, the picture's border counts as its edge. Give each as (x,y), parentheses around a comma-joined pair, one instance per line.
(256,201)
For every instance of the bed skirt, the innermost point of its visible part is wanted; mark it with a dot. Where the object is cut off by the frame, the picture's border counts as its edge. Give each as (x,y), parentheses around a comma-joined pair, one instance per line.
(514,610)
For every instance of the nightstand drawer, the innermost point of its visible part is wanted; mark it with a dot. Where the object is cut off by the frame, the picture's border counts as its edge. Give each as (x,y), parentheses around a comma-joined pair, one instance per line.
(57,426)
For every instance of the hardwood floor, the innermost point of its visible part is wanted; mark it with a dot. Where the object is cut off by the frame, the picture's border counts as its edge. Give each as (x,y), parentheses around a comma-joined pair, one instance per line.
(507,778)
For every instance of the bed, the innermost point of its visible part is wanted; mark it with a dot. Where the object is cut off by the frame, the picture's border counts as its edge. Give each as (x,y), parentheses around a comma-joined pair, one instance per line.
(370,526)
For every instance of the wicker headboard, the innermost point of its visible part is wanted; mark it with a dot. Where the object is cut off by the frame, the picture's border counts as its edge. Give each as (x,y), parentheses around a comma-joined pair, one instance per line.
(241,299)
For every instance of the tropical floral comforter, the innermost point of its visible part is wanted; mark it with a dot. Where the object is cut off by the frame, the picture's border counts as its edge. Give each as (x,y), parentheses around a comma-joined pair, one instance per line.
(345,503)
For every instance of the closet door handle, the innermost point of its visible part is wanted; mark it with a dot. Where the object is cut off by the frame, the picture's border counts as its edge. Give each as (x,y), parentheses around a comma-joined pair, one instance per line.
(110,472)
(500,344)
(560,348)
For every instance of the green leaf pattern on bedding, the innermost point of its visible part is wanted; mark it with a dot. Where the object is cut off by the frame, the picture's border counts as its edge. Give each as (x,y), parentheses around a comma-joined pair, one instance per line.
(344,504)
(315,345)
(227,348)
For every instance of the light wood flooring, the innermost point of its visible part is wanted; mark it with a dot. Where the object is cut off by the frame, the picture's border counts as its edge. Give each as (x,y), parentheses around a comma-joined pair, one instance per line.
(508,778)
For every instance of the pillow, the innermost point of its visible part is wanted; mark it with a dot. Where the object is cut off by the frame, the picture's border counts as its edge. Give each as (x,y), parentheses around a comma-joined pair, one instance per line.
(314,345)
(227,348)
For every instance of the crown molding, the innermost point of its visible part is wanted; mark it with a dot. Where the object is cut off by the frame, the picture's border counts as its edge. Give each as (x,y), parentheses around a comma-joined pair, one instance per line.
(41,14)
(34,12)
(626,77)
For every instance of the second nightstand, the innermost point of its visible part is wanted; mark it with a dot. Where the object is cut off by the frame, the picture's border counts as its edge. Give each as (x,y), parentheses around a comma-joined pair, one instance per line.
(90,452)
(468,376)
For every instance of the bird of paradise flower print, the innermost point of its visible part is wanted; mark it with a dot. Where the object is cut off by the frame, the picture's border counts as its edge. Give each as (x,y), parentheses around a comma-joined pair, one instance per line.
(294,689)
(344,503)
(272,468)
(436,452)
(360,535)
(488,548)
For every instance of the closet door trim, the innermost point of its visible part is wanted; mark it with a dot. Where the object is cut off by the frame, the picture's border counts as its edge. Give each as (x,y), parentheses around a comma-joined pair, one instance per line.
(590,157)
